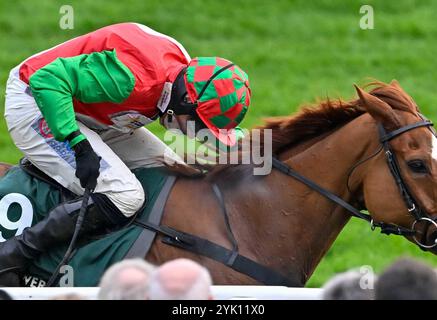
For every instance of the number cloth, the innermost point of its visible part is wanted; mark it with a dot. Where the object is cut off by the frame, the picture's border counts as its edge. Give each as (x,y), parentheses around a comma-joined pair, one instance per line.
(25,200)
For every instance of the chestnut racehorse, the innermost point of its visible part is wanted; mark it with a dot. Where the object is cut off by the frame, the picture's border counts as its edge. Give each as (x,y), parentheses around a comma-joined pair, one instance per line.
(287,226)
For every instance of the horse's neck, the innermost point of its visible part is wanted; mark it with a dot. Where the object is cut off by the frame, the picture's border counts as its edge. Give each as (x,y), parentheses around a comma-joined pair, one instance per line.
(296,225)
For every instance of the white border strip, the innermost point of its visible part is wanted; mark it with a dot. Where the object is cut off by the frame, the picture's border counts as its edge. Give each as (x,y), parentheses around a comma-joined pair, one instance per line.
(219,293)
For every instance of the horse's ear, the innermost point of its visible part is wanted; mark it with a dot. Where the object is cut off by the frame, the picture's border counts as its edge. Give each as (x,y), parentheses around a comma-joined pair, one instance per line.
(395,83)
(379,110)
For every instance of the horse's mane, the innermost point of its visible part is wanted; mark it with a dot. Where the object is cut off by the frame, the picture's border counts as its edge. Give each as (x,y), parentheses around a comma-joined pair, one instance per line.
(310,122)
(316,120)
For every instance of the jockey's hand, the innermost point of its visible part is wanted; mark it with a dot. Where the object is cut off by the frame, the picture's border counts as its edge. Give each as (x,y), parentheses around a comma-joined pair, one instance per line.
(87,164)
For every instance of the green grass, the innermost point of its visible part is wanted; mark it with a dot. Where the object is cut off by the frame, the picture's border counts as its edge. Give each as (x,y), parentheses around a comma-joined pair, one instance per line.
(293,51)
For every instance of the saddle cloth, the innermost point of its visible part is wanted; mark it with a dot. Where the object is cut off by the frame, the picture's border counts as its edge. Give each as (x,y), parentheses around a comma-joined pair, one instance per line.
(25,200)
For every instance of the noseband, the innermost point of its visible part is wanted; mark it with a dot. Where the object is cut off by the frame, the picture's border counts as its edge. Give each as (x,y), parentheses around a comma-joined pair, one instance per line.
(413,208)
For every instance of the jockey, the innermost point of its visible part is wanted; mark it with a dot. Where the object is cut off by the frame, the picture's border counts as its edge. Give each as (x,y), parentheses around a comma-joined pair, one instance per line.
(77,112)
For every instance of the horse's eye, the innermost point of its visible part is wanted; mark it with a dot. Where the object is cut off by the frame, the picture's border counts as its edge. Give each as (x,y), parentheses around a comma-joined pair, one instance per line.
(417,166)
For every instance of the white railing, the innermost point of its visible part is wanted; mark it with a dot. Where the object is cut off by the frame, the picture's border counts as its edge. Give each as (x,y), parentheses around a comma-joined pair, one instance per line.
(219,292)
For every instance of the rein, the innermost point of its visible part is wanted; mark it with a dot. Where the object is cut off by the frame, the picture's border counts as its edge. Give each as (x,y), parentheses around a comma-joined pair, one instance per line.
(386,228)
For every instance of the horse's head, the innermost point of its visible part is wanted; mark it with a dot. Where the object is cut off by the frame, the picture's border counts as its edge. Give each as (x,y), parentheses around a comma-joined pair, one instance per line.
(415,156)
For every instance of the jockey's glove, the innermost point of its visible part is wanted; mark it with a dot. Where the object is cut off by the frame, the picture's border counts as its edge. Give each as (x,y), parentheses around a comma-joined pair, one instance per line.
(87,164)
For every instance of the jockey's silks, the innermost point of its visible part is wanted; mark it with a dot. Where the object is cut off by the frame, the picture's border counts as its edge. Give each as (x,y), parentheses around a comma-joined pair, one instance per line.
(119,75)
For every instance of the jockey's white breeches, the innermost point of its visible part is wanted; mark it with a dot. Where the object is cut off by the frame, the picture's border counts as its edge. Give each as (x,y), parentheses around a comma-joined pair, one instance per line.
(120,151)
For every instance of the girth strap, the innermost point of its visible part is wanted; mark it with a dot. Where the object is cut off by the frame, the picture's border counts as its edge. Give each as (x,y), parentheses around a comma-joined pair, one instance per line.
(224,212)
(142,245)
(221,254)
(200,246)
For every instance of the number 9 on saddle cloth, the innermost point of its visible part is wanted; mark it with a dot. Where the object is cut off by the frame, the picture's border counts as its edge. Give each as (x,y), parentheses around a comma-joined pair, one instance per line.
(27,195)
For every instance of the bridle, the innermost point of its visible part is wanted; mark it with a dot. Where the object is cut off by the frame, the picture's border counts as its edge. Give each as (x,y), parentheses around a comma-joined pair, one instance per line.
(413,207)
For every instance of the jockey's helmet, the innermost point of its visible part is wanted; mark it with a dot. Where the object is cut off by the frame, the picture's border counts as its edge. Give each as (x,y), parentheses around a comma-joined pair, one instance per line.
(217,92)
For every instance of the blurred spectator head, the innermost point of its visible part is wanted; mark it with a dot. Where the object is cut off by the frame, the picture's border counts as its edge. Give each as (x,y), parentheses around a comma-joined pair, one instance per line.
(4,295)
(348,285)
(126,280)
(181,279)
(407,279)
(69,296)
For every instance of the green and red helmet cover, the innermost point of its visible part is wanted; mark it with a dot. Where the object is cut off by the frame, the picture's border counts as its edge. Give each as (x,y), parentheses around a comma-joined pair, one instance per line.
(225,100)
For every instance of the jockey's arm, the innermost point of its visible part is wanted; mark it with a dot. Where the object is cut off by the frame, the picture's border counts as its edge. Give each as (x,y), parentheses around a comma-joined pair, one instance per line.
(90,78)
